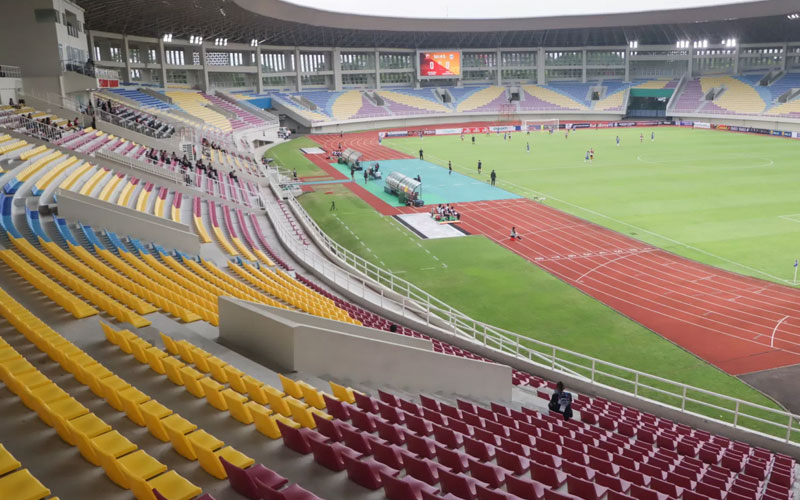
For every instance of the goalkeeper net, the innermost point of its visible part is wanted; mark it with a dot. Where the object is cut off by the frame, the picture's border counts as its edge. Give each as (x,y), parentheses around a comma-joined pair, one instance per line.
(540,125)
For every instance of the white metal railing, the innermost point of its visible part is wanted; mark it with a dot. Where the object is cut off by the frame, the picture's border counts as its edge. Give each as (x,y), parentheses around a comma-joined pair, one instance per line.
(32,127)
(10,71)
(415,304)
(141,127)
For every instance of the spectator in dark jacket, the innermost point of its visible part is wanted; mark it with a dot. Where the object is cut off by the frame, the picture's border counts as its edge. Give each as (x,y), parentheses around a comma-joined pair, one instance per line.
(561,401)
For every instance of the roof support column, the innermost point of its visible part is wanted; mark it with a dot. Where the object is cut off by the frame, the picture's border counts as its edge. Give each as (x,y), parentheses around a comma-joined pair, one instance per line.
(583,66)
(163,61)
(690,69)
(377,69)
(336,64)
(499,78)
(259,71)
(736,60)
(299,83)
(205,66)
(627,64)
(127,59)
(784,54)
(540,66)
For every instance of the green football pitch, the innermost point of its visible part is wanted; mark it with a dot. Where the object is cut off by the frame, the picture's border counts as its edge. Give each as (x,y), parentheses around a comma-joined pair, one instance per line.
(671,192)
(726,199)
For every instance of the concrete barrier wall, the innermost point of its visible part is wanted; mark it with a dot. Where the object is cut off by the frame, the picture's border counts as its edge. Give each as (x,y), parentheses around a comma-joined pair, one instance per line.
(264,334)
(126,222)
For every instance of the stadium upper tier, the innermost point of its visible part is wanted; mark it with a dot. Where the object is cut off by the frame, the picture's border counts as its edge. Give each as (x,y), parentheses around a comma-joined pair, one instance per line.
(708,95)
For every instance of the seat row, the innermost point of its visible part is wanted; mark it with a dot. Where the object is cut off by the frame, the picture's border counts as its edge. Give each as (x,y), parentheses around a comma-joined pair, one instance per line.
(16,482)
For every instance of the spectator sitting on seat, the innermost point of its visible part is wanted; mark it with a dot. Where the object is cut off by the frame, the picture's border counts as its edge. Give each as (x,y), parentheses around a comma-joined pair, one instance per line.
(561,401)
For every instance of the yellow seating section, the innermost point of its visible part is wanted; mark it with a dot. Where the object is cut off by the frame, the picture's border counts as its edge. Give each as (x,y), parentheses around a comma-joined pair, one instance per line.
(97,441)
(201,229)
(176,212)
(612,101)
(72,178)
(480,98)
(244,397)
(94,181)
(738,96)
(653,84)
(785,108)
(7,148)
(27,155)
(110,187)
(347,105)
(553,97)
(45,181)
(144,197)
(158,209)
(75,283)
(16,482)
(72,304)
(414,102)
(126,193)
(195,104)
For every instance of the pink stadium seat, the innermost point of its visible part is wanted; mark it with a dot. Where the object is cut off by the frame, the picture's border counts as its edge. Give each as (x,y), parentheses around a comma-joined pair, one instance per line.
(512,461)
(420,446)
(293,492)
(419,425)
(422,468)
(434,417)
(391,413)
(357,440)
(554,495)
(366,472)
(363,420)
(492,494)
(613,495)
(454,460)
(330,454)
(603,466)
(643,493)
(428,402)
(336,408)
(409,407)
(515,447)
(298,439)
(574,456)
(525,488)
(612,482)
(634,477)
(447,437)
(329,428)
(548,475)
(492,475)
(666,488)
(392,433)
(459,485)
(388,454)
(585,489)
(578,470)
(366,403)
(388,398)
(246,481)
(405,488)
(478,449)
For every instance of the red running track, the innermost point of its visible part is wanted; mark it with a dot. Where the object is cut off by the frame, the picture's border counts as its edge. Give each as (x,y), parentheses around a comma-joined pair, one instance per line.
(364,142)
(725,318)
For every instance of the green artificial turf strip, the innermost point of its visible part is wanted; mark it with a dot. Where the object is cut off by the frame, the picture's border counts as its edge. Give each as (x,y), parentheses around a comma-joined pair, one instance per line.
(712,196)
(288,155)
(494,285)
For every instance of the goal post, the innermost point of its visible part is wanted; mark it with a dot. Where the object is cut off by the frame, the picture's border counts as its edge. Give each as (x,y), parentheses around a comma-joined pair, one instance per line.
(540,125)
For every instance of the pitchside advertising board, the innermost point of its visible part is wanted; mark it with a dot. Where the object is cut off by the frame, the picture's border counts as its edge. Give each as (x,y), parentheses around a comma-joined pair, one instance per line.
(439,64)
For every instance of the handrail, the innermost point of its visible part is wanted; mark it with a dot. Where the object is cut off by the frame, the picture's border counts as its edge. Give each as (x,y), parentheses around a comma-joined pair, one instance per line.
(417,305)
(142,127)
(49,133)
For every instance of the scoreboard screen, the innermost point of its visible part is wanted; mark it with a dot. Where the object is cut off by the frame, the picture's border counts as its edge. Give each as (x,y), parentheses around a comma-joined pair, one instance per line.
(440,64)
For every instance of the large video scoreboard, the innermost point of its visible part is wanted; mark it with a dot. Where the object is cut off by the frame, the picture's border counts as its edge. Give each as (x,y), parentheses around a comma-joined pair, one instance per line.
(439,64)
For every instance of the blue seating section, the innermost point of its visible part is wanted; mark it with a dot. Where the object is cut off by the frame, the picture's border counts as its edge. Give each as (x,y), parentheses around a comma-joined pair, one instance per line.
(784,83)
(116,242)
(461,93)
(142,98)
(324,100)
(576,91)
(35,224)
(6,202)
(63,228)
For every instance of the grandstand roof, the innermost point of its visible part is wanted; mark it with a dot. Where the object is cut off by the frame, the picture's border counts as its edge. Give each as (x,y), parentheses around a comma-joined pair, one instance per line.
(750,22)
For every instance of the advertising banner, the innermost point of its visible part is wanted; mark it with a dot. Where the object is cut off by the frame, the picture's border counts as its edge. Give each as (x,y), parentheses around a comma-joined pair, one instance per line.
(397,133)
(448,131)
(702,125)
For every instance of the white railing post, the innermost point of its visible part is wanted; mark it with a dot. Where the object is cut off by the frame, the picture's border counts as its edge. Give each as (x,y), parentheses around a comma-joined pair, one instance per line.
(636,385)
(593,369)
(736,415)
(683,399)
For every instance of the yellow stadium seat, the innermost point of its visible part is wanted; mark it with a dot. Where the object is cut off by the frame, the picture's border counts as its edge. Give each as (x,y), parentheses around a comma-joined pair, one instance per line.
(158,426)
(111,387)
(276,401)
(213,390)
(265,420)
(234,376)
(170,485)
(169,344)
(217,369)
(236,406)
(7,461)
(22,485)
(255,389)
(290,387)
(209,460)
(154,359)
(312,396)
(152,412)
(173,368)
(191,380)
(342,393)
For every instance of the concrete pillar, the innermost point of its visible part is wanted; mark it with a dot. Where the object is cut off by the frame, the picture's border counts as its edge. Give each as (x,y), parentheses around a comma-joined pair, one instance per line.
(583,66)
(377,69)
(205,67)
(627,64)
(259,71)
(499,68)
(297,69)
(336,65)
(690,69)
(540,75)
(736,60)
(163,61)
(783,59)
(90,44)
(126,57)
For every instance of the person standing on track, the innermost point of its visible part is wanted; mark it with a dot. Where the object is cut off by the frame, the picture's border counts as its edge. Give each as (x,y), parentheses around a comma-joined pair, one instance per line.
(617,141)
(493,175)
(352,173)
(420,154)
(652,135)
(479,167)
(449,168)
(366,176)
(333,206)
(528,146)
(473,140)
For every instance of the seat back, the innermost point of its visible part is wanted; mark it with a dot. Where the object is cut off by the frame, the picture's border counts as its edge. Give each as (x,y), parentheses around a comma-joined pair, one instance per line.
(294,439)
(240,481)
(210,462)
